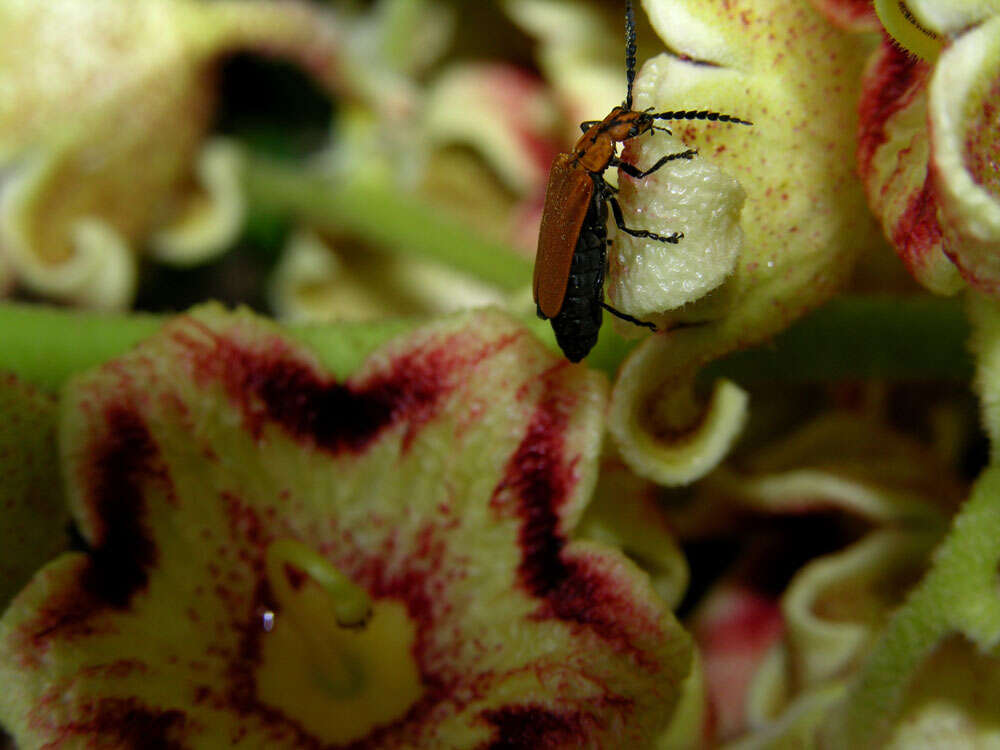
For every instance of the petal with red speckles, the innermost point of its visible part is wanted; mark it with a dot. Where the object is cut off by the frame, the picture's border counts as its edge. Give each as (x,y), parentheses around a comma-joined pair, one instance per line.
(786,68)
(851,15)
(893,152)
(964,105)
(445,478)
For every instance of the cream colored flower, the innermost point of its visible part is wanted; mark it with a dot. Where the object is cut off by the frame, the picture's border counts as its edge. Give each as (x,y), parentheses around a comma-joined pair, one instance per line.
(104,112)
(279,557)
(744,269)
(928,150)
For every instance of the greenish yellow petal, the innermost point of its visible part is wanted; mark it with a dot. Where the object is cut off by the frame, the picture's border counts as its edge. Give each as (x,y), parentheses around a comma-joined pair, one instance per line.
(223,481)
(625,513)
(782,66)
(952,17)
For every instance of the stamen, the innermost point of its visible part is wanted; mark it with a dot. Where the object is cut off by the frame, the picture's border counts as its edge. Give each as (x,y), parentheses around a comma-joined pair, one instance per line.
(288,565)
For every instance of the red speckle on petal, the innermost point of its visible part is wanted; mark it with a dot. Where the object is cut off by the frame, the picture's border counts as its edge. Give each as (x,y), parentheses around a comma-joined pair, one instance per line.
(117,468)
(273,385)
(889,86)
(537,481)
(121,463)
(118,722)
(917,231)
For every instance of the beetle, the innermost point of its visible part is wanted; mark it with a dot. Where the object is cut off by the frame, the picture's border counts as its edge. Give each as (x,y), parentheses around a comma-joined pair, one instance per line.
(572,254)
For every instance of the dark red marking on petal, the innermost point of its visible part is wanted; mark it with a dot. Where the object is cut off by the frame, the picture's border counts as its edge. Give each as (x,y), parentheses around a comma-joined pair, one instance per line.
(117,468)
(529,727)
(536,483)
(275,385)
(296,577)
(917,230)
(123,460)
(121,723)
(420,580)
(889,86)
(538,480)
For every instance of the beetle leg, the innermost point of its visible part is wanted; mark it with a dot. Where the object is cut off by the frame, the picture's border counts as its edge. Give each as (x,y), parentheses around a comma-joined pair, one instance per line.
(629,318)
(673,238)
(587,125)
(633,171)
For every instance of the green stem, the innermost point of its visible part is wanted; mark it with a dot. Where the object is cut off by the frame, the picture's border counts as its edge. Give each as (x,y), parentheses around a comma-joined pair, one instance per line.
(46,345)
(850,338)
(859,338)
(399,221)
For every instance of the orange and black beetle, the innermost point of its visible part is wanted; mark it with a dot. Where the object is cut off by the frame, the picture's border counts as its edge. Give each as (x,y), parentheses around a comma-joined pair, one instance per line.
(572,242)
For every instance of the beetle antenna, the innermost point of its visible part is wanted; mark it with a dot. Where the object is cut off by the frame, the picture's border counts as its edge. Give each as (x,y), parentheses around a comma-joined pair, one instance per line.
(702,115)
(629,53)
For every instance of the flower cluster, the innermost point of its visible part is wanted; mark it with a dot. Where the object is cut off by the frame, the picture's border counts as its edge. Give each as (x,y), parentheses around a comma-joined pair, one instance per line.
(433,531)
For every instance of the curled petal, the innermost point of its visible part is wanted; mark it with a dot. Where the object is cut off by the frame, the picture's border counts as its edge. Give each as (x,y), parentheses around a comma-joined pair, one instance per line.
(964,104)
(211,216)
(893,152)
(313,282)
(683,441)
(786,69)
(503,113)
(625,513)
(580,56)
(691,196)
(829,632)
(952,17)
(103,110)
(797,724)
(88,261)
(957,597)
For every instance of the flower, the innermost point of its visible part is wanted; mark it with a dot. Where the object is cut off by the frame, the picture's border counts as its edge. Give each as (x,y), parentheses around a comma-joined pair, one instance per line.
(751,267)
(105,110)
(277,556)
(836,522)
(928,141)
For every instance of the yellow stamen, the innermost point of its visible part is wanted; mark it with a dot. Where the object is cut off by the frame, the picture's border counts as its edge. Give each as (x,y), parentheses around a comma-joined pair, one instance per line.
(340,674)
(331,658)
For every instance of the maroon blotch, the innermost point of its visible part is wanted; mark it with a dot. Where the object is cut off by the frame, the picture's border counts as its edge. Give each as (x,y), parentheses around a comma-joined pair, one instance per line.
(272,385)
(535,728)
(121,461)
(539,475)
(127,723)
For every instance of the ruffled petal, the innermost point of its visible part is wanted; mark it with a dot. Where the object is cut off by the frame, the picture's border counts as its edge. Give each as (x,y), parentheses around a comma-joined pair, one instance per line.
(445,479)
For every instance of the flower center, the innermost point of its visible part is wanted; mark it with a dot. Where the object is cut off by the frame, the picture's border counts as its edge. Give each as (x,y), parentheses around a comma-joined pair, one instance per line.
(331,659)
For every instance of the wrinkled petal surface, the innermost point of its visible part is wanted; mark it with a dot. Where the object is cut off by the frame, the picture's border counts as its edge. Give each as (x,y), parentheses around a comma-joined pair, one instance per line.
(784,67)
(445,478)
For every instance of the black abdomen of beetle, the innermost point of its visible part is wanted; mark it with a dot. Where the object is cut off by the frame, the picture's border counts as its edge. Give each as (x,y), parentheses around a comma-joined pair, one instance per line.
(579,320)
